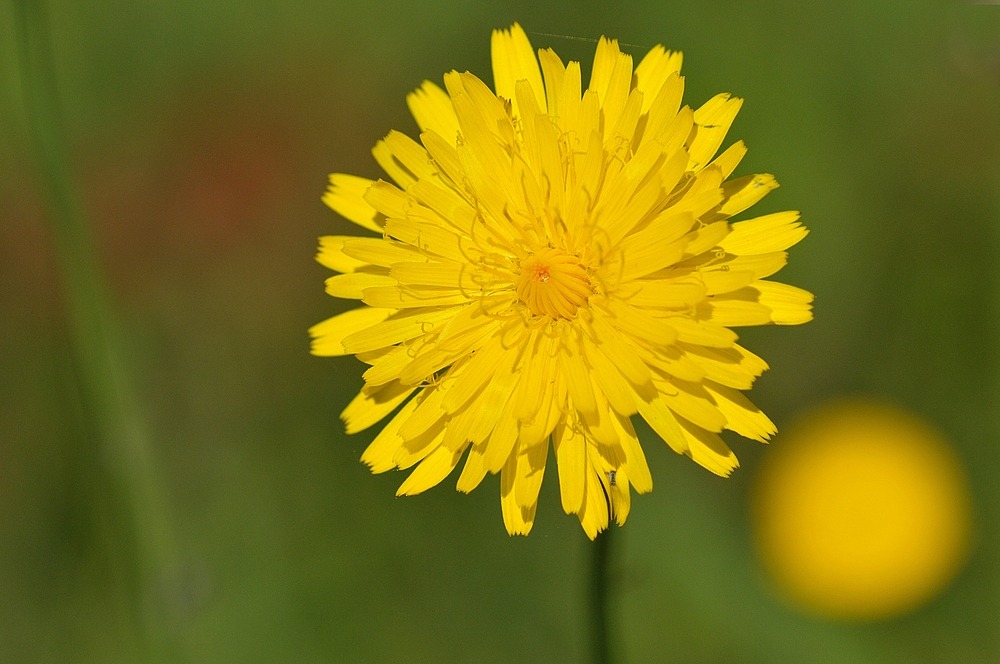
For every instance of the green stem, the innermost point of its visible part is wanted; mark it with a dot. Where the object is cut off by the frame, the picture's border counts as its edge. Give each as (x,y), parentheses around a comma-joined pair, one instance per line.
(104,389)
(600,575)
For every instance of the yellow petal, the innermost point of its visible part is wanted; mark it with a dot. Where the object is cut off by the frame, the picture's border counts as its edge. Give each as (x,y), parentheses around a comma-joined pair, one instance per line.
(597,426)
(692,402)
(483,143)
(577,375)
(419,230)
(471,324)
(553,72)
(346,196)
(629,197)
(569,99)
(638,469)
(708,450)
(759,265)
(663,112)
(735,310)
(713,121)
(392,167)
(537,429)
(530,471)
(536,371)
(671,174)
(372,404)
(492,404)
(387,198)
(641,325)
(772,232)
(427,413)
(516,519)
(704,239)
(491,108)
(589,169)
(550,161)
(377,251)
(620,496)
(743,192)
(703,332)
(622,356)
(431,108)
(671,362)
(474,470)
(663,422)
(665,293)
(441,274)
(478,371)
(724,279)
(457,434)
(379,455)
(704,196)
(502,440)
(656,67)
(414,450)
(610,380)
(454,209)
(676,131)
(741,415)
(514,60)
(528,110)
(571,450)
(656,246)
(440,356)
(434,468)
(329,335)
(411,155)
(727,366)
(380,331)
(730,159)
(445,157)
(331,254)
(594,515)
(605,59)
(789,305)
(373,356)
(387,367)
(353,284)
(409,298)
(627,126)
(614,99)
(492,194)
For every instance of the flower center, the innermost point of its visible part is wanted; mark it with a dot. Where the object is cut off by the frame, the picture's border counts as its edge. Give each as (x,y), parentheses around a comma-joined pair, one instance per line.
(553,283)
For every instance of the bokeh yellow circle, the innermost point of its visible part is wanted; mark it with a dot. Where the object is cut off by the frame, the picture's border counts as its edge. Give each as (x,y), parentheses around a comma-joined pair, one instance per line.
(861,512)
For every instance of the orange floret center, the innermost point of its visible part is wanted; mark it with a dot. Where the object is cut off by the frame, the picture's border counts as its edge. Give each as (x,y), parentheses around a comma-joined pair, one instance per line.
(553,283)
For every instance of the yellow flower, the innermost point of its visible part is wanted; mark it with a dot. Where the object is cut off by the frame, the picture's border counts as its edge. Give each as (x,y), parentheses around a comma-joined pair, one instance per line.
(549,264)
(862,512)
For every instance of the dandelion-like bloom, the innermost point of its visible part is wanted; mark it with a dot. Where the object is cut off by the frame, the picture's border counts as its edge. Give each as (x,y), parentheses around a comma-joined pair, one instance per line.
(549,264)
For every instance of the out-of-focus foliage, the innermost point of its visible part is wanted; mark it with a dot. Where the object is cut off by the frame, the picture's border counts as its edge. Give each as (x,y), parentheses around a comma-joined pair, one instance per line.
(201,134)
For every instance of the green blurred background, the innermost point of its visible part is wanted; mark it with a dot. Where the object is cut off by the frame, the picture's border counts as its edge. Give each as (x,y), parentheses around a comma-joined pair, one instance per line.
(200,135)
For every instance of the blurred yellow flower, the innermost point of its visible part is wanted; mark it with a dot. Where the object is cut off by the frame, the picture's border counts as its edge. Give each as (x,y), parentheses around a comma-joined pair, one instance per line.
(548,265)
(862,512)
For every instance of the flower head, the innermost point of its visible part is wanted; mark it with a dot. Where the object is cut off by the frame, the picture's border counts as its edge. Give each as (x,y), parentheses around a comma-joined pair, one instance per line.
(549,264)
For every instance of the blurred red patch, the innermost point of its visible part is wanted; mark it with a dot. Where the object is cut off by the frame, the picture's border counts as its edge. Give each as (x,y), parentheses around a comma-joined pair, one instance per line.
(193,183)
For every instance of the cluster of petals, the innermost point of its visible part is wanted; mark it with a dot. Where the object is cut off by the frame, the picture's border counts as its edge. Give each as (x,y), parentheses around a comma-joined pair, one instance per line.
(547,263)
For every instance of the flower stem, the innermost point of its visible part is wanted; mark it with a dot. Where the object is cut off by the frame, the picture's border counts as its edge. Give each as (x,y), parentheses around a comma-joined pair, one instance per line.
(600,575)
(111,416)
